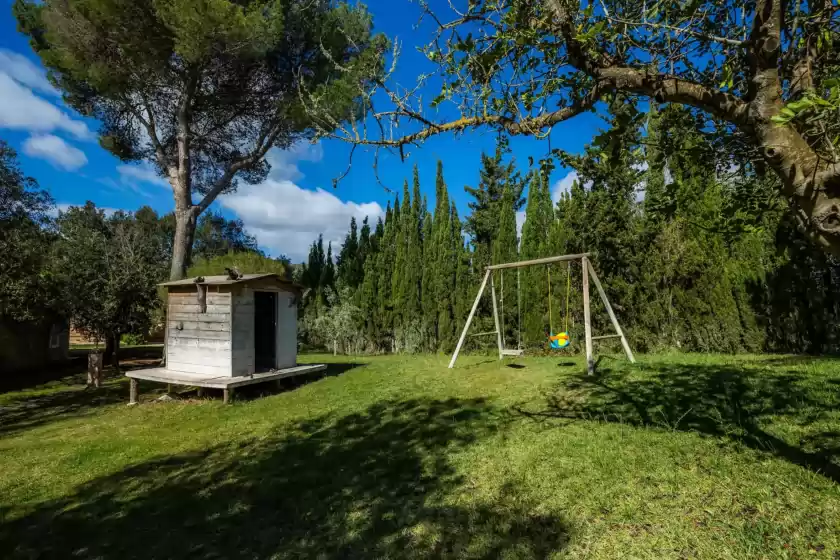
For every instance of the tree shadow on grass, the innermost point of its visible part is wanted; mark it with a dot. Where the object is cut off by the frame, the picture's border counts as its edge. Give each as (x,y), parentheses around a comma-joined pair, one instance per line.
(728,402)
(260,390)
(375,484)
(64,398)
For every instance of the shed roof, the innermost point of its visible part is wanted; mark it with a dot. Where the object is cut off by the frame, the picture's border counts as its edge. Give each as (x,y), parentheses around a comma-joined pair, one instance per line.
(223,279)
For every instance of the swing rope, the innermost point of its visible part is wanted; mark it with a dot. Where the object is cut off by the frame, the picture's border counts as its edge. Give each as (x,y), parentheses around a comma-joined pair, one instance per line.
(568,293)
(550,322)
(568,290)
(502,302)
(518,311)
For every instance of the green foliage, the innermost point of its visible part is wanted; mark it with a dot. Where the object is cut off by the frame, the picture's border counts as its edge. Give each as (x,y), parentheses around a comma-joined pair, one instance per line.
(708,260)
(107,270)
(215,236)
(26,293)
(203,90)
(247,262)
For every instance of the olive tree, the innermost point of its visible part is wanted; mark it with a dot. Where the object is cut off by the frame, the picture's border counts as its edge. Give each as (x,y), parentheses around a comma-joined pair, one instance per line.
(762,73)
(203,90)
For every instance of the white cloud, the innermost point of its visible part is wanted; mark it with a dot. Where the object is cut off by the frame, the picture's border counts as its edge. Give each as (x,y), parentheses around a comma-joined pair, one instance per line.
(287,218)
(54,150)
(563,185)
(284,162)
(520,221)
(25,72)
(21,109)
(133,175)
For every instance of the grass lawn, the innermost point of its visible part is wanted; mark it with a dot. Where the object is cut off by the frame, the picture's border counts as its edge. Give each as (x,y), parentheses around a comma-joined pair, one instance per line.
(682,456)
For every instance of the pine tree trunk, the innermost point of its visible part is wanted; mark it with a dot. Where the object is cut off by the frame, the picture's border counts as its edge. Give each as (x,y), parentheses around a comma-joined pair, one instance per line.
(185,222)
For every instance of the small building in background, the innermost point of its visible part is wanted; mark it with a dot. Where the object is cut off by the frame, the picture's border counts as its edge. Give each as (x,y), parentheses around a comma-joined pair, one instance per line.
(28,345)
(223,326)
(227,331)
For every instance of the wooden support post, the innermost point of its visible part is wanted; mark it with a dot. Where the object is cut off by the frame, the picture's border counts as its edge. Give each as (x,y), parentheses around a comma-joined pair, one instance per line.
(132,391)
(610,312)
(227,395)
(587,323)
(469,320)
(496,317)
(199,392)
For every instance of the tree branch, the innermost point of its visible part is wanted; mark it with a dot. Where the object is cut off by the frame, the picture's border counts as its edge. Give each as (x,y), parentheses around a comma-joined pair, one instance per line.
(528,125)
(265,142)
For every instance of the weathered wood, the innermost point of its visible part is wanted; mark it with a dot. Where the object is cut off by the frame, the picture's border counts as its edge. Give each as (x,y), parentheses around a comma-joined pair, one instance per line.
(484,333)
(198,369)
(132,391)
(545,260)
(210,344)
(227,394)
(610,312)
(161,375)
(496,317)
(202,317)
(603,336)
(94,371)
(200,356)
(469,320)
(202,335)
(189,299)
(196,308)
(201,297)
(200,326)
(587,323)
(512,352)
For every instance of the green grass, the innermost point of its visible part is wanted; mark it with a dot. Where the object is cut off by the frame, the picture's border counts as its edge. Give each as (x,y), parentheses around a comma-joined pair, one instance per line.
(682,456)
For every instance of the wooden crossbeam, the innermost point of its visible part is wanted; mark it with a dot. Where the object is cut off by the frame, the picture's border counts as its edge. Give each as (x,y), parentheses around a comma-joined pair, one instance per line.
(603,336)
(545,260)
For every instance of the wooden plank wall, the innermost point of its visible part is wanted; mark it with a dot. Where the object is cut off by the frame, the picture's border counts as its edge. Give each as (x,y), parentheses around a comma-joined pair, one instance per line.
(199,342)
(243,362)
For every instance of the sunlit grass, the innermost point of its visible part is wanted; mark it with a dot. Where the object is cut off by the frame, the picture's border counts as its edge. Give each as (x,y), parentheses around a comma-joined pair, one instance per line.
(679,456)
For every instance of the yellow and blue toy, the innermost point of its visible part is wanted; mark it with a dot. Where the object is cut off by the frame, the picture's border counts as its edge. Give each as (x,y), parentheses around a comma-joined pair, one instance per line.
(562,339)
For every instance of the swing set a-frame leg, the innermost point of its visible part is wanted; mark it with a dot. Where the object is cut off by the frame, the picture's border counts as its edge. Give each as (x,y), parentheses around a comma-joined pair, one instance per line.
(610,312)
(469,320)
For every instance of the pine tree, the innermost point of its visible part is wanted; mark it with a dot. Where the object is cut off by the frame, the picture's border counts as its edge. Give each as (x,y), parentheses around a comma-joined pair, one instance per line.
(414,256)
(505,250)
(385,274)
(348,258)
(443,261)
(483,221)
(539,219)
(463,289)
(428,290)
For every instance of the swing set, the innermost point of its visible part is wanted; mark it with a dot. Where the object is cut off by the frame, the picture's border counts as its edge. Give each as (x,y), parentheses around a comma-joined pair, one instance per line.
(556,341)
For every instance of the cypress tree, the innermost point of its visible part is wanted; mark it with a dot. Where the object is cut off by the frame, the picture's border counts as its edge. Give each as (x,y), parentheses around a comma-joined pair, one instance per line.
(443,260)
(483,222)
(428,282)
(348,258)
(539,218)
(504,250)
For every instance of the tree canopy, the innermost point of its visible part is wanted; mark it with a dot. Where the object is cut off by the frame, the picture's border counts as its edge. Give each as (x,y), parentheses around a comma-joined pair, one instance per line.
(203,90)
(762,78)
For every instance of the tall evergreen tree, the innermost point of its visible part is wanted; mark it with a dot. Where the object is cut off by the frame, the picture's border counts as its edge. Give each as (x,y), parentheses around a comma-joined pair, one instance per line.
(505,250)
(539,218)
(348,258)
(482,223)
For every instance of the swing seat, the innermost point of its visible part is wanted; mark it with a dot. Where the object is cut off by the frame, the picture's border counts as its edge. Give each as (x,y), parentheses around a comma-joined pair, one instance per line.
(512,352)
(559,340)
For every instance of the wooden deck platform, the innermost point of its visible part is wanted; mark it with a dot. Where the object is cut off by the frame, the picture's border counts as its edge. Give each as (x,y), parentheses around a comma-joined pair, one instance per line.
(227,384)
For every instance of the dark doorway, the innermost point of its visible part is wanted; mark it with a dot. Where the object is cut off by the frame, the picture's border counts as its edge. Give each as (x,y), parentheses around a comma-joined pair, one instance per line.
(265,330)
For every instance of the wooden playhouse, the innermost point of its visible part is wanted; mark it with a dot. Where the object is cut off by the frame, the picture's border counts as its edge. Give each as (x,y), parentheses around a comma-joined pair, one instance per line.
(223,332)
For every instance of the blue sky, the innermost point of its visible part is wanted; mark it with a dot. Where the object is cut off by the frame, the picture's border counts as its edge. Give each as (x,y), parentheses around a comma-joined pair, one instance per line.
(58,147)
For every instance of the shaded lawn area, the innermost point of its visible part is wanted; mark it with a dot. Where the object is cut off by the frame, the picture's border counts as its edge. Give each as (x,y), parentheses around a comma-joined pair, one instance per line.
(682,456)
